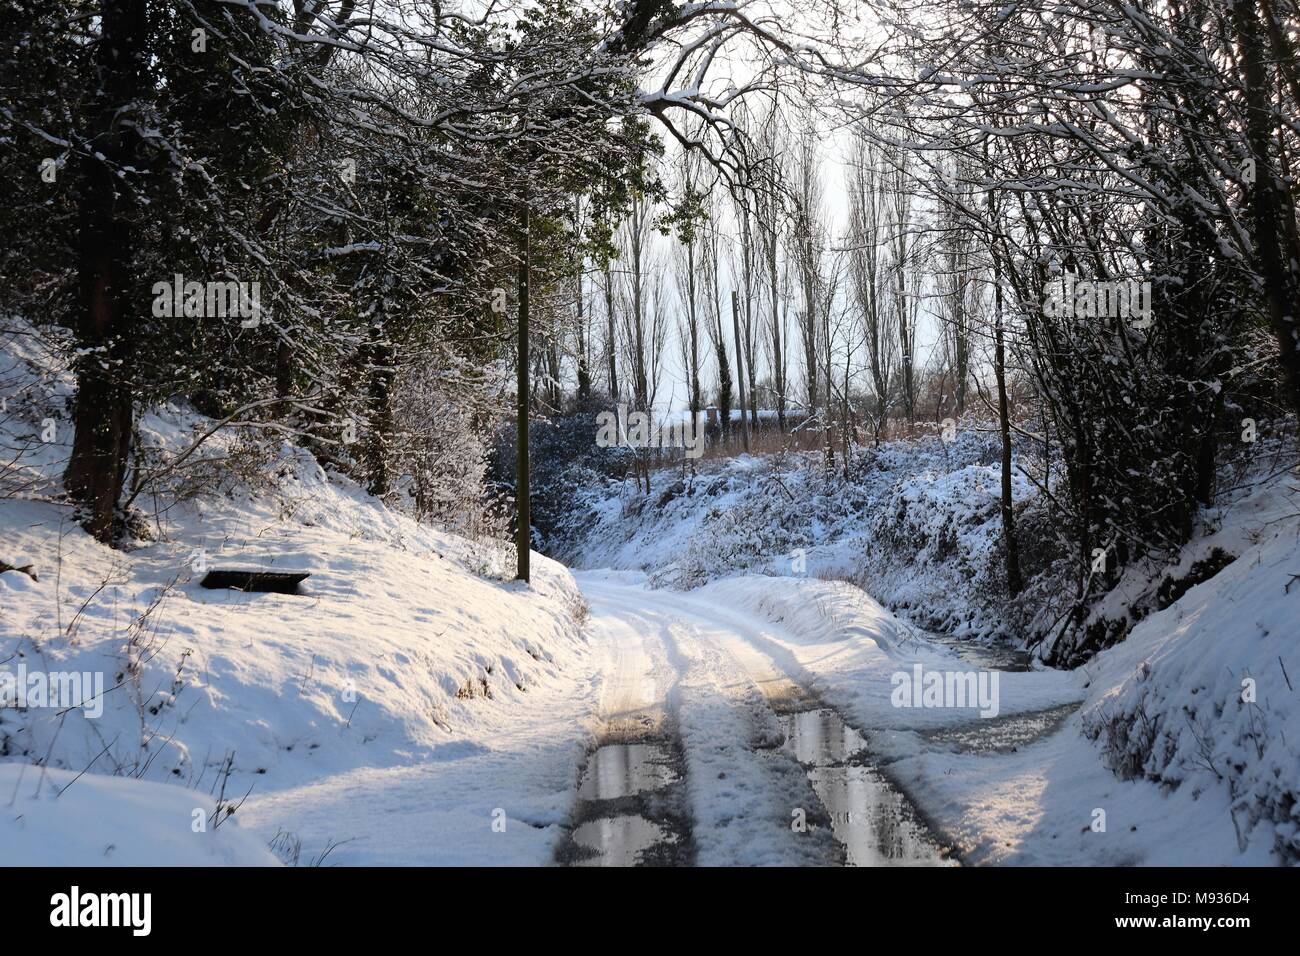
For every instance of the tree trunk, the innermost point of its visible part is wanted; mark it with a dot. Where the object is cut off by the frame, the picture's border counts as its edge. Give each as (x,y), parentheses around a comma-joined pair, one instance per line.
(553,376)
(747,257)
(611,334)
(830,392)
(724,375)
(104,408)
(778,361)
(1014,583)
(584,370)
(283,374)
(810,324)
(1272,211)
(380,360)
(847,434)
(740,365)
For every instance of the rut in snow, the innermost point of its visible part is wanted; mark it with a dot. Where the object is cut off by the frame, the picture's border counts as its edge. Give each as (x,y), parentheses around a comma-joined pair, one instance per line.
(631,808)
(753,769)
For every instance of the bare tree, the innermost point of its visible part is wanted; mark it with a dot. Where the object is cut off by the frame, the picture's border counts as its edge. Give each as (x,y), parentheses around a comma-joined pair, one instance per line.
(645,324)
(582,312)
(770,220)
(868,268)
(608,289)
(955,281)
(905,282)
(711,245)
(743,286)
(687,261)
(808,241)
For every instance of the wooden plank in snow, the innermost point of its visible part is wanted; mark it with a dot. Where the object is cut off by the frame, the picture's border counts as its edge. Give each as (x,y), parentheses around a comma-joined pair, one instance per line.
(280,582)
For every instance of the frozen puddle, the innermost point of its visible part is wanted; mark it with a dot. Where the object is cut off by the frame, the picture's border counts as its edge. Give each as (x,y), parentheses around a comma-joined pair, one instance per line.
(876,823)
(622,770)
(629,809)
(1002,657)
(1001,734)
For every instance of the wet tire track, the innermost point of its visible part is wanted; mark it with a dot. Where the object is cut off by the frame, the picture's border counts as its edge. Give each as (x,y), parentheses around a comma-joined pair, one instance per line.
(631,808)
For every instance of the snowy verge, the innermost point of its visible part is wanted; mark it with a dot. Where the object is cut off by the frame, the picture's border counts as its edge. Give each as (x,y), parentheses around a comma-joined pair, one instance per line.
(57,819)
(901,506)
(1203,696)
(406,650)
(409,658)
(1190,726)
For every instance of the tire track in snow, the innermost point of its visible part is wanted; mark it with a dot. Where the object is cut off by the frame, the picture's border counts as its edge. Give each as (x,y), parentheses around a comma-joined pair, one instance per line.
(631,801)
(772,667)
(869,814)
(743,792)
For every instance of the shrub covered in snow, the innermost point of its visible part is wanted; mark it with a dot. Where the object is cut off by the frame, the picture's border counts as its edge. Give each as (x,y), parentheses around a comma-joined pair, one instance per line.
(565,460)
(915,523)
(1206,689)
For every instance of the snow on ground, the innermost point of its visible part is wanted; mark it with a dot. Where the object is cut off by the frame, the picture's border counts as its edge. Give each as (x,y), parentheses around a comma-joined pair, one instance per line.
(1036,807)
(1164,741)
(670,657)
(413,696)
(907,504)
(738,647)
(396,704)
(834,639)
(55,819)
(407,698)
(1203,696)
(1185,771)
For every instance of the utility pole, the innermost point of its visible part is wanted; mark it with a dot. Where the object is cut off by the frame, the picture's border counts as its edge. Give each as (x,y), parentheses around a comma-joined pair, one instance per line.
(523,529)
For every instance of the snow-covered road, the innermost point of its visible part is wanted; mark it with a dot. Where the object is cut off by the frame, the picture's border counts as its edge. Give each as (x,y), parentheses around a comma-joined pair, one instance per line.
(748,722)
(711,680)
(752,721)
(779,696)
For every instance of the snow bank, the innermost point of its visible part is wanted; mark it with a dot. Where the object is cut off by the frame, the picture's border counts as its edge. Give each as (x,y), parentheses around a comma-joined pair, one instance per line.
(1203,695)
(408,652)
(407,647)
(906,504)
(58,819)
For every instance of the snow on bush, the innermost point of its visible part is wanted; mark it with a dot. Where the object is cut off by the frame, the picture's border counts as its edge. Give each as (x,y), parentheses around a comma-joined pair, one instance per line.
(442,451)
(948,523)
(1206,690)
(905,506)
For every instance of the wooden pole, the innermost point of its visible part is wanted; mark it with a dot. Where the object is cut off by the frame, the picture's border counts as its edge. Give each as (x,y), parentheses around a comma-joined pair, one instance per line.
(523,530)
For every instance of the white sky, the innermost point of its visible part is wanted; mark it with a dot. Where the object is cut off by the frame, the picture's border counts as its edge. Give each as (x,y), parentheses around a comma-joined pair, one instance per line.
(735,66)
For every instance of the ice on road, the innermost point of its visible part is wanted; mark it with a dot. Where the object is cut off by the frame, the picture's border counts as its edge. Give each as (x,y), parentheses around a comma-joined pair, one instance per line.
(704,675)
